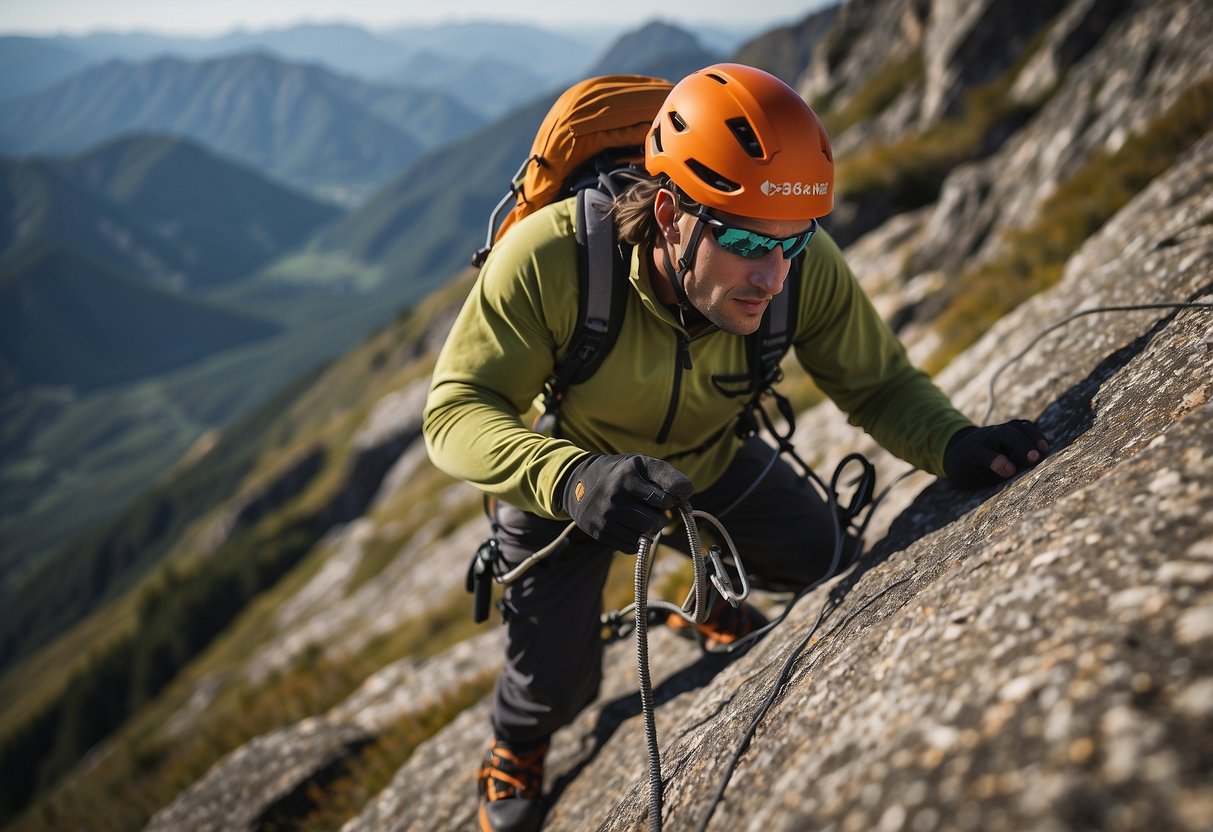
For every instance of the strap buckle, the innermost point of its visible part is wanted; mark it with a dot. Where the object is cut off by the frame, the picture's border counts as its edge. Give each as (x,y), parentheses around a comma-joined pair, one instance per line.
(479,581)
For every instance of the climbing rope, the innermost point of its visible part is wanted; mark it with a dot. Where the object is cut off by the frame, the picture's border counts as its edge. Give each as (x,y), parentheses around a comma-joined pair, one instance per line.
(708,570)
(697,612)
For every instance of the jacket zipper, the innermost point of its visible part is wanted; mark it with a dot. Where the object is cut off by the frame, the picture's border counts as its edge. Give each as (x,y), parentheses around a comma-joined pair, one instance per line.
(683,362)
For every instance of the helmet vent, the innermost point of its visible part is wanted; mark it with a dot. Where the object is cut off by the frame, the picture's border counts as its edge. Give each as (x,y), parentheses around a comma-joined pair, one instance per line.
(717,78)
(657,139)
(711,177)
(744,133)
(677,121)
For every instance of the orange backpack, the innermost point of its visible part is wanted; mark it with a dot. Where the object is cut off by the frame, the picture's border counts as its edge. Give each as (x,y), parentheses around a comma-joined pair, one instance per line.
(596,127)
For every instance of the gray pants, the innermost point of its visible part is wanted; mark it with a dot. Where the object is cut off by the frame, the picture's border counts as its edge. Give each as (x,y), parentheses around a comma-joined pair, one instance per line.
(783,531)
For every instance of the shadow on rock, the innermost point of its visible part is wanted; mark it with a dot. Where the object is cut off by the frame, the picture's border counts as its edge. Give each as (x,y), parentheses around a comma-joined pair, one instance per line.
(1063,421)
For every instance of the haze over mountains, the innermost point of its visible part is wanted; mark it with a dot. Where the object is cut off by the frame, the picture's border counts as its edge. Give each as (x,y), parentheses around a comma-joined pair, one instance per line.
(271,207)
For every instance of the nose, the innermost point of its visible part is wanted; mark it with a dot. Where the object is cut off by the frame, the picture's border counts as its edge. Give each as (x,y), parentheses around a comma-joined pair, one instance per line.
(770,271)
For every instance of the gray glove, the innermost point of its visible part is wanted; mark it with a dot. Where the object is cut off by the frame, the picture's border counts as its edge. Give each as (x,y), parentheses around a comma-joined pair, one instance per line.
(616,499)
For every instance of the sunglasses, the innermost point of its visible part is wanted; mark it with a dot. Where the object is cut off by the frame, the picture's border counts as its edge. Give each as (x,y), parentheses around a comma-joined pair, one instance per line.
(752,245)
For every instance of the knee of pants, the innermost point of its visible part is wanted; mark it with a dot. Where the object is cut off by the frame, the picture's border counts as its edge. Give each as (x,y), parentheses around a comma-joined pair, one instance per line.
(527,709)
(567,694)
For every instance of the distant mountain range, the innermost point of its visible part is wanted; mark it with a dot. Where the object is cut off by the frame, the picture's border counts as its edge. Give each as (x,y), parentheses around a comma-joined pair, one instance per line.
(302,124)
(29,64)
(168,187)
(514,60)
(104,256)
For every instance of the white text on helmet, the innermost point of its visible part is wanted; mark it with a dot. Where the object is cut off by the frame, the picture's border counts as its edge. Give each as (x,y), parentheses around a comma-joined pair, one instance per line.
(795,188)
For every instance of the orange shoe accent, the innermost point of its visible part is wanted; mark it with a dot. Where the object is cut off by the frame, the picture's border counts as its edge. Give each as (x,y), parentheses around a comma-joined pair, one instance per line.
(725,624)
(506,775)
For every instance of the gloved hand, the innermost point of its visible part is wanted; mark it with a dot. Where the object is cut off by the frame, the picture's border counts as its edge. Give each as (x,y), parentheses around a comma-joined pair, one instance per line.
(615,499)
(981,456)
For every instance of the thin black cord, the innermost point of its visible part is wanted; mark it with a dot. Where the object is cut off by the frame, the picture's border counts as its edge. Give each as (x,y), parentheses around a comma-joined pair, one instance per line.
(839,541)
(1126,308)
(781,681)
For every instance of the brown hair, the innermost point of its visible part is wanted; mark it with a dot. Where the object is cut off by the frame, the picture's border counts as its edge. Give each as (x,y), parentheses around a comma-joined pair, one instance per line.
(633,213)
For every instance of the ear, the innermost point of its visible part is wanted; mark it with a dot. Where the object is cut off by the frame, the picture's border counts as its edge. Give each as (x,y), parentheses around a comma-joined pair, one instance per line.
(665,210)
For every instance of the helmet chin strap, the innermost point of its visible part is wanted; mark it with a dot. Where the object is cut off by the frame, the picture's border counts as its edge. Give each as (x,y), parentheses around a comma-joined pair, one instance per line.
(678,279)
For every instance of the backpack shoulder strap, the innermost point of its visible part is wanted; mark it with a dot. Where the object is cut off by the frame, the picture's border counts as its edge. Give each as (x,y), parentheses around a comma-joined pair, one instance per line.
(601,296)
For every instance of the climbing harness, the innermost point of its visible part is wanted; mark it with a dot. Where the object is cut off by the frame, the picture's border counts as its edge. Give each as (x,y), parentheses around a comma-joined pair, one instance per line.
(708,570)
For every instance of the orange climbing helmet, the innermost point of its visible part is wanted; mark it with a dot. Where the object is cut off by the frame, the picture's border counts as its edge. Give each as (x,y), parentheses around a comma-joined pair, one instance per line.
(740,140)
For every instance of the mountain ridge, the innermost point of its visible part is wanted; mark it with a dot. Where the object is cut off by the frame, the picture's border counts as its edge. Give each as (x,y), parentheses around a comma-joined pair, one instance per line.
(60,294)
(229,210)
(286,119)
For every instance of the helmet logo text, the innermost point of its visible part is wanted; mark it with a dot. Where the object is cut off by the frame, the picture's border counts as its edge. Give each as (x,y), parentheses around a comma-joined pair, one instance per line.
(795,188)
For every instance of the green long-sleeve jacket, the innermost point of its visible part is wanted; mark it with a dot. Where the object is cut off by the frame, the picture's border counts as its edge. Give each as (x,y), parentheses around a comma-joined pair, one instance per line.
(519,319)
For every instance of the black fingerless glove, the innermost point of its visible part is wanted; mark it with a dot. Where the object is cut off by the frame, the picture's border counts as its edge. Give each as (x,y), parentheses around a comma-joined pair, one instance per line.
(616,499)
(970,452)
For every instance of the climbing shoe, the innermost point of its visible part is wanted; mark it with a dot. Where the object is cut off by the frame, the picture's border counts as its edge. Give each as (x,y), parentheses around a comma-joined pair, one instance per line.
(511,783)
(725,624)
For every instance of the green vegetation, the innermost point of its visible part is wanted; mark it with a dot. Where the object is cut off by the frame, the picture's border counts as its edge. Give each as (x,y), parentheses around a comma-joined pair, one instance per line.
(176,620)
(878,93)
(909,172)
(197,596)
(65,320)
(1033,256)
(153,422)
(100,566)
(333,269)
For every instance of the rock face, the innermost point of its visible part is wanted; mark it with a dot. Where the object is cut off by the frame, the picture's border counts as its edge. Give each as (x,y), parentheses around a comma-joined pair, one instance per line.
(1033,656)
(1135,71)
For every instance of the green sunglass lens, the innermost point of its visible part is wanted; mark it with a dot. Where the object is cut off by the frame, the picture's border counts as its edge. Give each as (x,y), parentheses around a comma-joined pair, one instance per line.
(744,243)
(752,245)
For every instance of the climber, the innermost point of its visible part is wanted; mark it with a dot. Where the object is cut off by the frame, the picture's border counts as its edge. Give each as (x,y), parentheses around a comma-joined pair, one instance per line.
(740,172)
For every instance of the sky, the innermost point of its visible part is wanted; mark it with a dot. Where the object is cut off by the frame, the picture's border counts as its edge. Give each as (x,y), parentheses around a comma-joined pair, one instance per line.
(214,17)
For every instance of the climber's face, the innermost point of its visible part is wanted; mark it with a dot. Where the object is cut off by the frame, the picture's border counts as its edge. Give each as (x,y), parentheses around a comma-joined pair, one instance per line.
(738,263)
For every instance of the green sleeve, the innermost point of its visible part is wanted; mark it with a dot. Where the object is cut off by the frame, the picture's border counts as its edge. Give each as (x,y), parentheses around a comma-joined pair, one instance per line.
(860,364)
(500,351)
